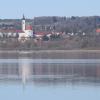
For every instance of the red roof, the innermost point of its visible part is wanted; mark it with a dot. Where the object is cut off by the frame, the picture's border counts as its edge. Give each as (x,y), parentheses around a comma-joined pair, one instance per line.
(28,27)
(7,31)
(11,31)
(19,31)
(98,30)
(42,33)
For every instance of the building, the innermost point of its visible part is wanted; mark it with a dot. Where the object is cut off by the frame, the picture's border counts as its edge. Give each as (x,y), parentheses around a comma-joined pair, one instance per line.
(26,31)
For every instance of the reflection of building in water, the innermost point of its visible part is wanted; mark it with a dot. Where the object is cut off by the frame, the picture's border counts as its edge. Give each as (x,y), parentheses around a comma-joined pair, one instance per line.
(25,70)
(15,71)
(46,73)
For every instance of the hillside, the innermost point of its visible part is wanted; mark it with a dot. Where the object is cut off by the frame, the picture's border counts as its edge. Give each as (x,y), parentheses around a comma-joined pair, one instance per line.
(56,23)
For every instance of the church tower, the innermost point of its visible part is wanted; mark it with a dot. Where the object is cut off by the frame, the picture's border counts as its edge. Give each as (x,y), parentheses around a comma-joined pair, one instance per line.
(23,23)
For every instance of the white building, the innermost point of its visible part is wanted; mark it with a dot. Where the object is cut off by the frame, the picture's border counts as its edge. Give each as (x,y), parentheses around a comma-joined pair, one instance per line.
(26,30)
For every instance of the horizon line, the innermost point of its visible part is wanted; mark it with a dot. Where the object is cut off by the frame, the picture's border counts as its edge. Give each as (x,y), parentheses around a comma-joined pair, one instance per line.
(53,16)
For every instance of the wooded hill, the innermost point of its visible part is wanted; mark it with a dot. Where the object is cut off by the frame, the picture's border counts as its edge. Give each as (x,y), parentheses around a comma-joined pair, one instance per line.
(56,23)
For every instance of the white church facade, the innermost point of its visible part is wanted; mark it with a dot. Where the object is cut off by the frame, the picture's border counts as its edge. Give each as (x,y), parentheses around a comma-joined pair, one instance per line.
(26,30)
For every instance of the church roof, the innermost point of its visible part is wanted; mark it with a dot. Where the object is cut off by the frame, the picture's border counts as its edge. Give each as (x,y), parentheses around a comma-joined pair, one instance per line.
(98,30)
(28,27)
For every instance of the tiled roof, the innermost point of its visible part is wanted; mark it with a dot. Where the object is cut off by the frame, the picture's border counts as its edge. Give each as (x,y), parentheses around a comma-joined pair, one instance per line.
(19,31)
(28,27)
(11,31)
(7,31)
(42,33)
(98,30)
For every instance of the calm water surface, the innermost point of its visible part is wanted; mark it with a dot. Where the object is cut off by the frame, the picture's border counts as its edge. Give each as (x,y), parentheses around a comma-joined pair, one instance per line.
(49,79)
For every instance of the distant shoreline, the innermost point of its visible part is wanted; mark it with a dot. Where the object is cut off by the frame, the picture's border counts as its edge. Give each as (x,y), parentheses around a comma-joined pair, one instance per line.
(47,51)
(50,54)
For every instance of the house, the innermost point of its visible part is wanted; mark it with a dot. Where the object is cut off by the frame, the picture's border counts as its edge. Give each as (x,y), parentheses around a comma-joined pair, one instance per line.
(8,33)
(39,34)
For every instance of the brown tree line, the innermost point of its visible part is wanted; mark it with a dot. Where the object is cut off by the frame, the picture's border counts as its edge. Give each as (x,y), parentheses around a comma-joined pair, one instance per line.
(56,23)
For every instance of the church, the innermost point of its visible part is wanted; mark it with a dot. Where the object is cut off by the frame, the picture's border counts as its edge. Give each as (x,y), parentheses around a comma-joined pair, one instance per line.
(25,32)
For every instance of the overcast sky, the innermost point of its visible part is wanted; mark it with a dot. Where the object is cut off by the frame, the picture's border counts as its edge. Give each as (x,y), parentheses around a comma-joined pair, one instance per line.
(15,8)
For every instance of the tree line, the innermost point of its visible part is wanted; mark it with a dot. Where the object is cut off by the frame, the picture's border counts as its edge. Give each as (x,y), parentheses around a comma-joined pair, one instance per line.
(55,23)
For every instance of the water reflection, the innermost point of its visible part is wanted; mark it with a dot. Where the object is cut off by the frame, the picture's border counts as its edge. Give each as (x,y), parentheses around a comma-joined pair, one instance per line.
(26,71)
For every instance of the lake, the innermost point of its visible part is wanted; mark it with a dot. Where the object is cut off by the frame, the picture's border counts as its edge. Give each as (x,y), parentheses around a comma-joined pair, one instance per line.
(25,77)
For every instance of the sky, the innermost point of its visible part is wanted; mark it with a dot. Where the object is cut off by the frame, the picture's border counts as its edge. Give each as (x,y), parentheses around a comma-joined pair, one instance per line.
(32,8)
